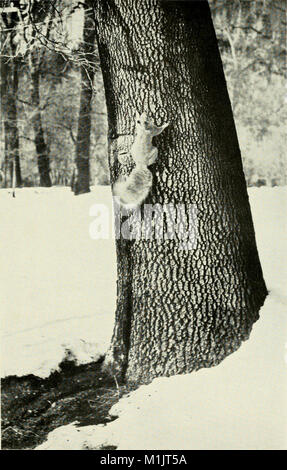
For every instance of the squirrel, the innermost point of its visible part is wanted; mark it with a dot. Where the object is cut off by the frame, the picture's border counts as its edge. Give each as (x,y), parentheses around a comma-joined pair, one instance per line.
(133,190)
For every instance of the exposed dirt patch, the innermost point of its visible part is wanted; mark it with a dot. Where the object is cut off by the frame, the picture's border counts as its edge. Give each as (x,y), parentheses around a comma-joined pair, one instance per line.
(33,407)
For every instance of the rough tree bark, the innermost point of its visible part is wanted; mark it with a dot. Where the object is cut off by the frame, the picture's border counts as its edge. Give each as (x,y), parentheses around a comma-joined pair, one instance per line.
(178,310)
(82,183)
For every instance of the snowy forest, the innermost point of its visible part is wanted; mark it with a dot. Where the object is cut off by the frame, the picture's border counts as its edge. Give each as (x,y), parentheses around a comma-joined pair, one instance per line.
(120,343)
(53,114)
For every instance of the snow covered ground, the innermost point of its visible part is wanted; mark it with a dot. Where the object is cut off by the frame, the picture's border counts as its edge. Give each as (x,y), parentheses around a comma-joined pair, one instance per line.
(58,286)
(57,300)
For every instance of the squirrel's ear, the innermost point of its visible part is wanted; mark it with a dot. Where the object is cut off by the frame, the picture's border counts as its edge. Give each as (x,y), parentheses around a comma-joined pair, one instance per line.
(164,126)
(137,116)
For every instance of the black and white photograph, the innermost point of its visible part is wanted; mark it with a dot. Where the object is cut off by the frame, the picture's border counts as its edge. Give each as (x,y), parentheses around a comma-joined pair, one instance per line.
(143,241)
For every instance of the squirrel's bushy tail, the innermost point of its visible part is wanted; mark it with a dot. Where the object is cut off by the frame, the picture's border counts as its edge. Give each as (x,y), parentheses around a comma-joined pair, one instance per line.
(134,190)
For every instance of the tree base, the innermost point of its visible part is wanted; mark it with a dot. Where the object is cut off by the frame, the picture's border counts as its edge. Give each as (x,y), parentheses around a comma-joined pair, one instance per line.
(142,373)
(78,191)
(115,364)
(45,183)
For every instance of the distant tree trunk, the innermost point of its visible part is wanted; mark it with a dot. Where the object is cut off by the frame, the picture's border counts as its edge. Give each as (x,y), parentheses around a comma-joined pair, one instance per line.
(15,138)
(9,91)
(178,310)
(41,147)
(11,128)
(4,69)
(6,156)
(81,183)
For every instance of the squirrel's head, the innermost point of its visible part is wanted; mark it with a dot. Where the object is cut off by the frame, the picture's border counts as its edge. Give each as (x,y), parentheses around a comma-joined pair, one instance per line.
(144,122)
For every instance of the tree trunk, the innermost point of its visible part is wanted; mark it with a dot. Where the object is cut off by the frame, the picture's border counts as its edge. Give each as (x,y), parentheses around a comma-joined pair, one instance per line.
(82,183)
(9,90)
(5,78)
(41,147)
(16,153)
(178,310)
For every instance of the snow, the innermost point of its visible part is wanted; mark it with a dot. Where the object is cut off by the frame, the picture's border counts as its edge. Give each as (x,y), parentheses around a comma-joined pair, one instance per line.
(63,291)
(240,404)
(269,211)
(58,285)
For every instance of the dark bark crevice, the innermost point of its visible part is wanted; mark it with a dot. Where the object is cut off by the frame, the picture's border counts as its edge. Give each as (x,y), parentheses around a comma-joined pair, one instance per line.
(116,359)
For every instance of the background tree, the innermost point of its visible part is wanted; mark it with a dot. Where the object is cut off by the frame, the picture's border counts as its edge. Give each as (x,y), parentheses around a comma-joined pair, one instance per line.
(178,310)
(10,65)
(54,57)
(82,183)
(252,40)
(42,16)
